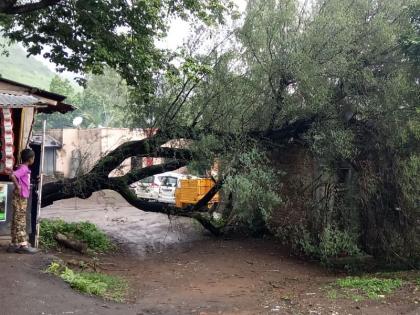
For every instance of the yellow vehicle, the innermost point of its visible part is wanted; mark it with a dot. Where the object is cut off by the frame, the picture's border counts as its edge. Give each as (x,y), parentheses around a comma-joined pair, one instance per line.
(192,190)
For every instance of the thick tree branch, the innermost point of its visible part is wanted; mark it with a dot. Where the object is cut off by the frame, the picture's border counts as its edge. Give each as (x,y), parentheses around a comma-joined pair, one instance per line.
(207,197)
(197,211)
(149,147)
(10,7)
(97,179)
(84,186)
(138,174)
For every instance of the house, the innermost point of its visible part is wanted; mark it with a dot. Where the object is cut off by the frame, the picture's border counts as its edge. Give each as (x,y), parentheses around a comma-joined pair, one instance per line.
(19,103)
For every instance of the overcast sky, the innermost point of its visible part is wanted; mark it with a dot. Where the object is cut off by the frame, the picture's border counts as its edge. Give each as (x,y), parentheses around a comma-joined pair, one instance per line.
(180,29)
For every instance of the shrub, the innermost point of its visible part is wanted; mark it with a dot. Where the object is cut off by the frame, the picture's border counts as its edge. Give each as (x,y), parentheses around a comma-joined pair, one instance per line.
(336,243)
(95,239)
(254,189)
(331,243)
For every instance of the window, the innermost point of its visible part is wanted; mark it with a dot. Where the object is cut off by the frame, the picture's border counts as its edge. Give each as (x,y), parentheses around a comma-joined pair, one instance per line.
(49,161)
(170,181)
(147,180)
(343,175)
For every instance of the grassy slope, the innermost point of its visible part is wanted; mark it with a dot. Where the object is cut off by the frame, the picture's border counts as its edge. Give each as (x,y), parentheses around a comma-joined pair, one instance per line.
(19,68)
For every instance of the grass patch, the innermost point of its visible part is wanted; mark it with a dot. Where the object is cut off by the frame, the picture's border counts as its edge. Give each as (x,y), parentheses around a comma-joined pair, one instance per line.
(332,294)
(92,283)
(359,288)
(95,239)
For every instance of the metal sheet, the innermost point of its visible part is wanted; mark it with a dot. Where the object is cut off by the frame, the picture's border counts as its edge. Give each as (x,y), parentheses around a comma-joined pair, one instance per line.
(10,100)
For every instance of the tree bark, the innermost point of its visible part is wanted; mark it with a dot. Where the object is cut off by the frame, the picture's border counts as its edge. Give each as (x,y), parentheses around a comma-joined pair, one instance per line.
(71,243)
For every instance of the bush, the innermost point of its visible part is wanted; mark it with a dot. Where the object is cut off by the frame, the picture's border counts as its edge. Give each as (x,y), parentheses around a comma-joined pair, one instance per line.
(95,239)
(332,242)
(254,189)
(336,243)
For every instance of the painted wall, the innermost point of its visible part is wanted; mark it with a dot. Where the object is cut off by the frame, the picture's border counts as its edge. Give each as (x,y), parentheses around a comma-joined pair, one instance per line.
(82,148)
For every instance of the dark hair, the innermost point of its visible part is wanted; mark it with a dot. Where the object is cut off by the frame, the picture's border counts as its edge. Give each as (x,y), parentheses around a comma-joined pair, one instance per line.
(26,155)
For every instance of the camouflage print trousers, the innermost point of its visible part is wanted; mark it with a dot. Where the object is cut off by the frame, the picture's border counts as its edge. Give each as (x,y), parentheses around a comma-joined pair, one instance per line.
(19,219)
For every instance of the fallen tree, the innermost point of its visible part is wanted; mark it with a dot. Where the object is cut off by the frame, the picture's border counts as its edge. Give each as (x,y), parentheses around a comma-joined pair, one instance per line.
(98,178)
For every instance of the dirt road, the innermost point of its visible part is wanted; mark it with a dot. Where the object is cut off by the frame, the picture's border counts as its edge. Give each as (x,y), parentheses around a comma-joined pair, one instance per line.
(194,275)
(141,232)
(204,278)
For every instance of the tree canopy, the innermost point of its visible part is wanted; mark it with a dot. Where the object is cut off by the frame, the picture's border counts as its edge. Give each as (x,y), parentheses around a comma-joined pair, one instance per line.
(101,103)
(85,36)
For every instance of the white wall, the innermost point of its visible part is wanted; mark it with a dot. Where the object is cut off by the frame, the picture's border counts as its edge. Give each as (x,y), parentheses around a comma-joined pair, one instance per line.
(82,148)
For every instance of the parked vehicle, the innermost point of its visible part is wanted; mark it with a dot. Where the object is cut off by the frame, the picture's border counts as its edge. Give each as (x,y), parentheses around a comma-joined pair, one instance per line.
(148,188)
(170,182)
(160,187)
(190,191)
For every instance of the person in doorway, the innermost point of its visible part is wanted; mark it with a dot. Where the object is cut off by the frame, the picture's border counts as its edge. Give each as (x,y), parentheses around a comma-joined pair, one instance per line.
(21,179)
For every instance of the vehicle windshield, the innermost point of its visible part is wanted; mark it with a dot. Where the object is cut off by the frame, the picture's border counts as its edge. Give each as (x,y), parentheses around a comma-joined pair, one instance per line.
(169,181)
(147,180)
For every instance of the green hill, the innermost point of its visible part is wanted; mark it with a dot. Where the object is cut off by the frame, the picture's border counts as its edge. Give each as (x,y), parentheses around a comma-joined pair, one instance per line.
(19,68)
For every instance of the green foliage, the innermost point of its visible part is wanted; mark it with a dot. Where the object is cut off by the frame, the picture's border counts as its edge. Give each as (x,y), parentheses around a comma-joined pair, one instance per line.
(95,239)
(332,142)
(254,187)
(101,103)
(331,242)
(410,182)
(207,151)
(410,40)
(58,120)
(336,243)
(372,288)
(85,36)
(92,283)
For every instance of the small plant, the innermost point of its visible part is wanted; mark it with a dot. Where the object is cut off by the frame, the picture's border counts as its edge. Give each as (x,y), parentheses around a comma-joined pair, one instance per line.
(95,239)
(336,243)
(373,288)
(332,294)
(92,283)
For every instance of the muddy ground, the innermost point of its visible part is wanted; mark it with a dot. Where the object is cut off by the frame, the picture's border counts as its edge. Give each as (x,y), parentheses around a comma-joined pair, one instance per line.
(140,232)
(188,273)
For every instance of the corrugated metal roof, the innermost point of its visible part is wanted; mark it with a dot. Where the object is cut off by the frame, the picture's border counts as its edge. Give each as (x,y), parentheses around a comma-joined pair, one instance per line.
(16,100)
(45,98)
(49,141)
(36,91)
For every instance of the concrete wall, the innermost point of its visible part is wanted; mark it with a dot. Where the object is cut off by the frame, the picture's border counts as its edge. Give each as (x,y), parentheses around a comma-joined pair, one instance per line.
(82,148)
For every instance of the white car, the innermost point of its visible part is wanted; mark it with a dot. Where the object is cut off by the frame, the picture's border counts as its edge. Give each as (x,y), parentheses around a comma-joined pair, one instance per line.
(170,182)
(148,188)
(160,187)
